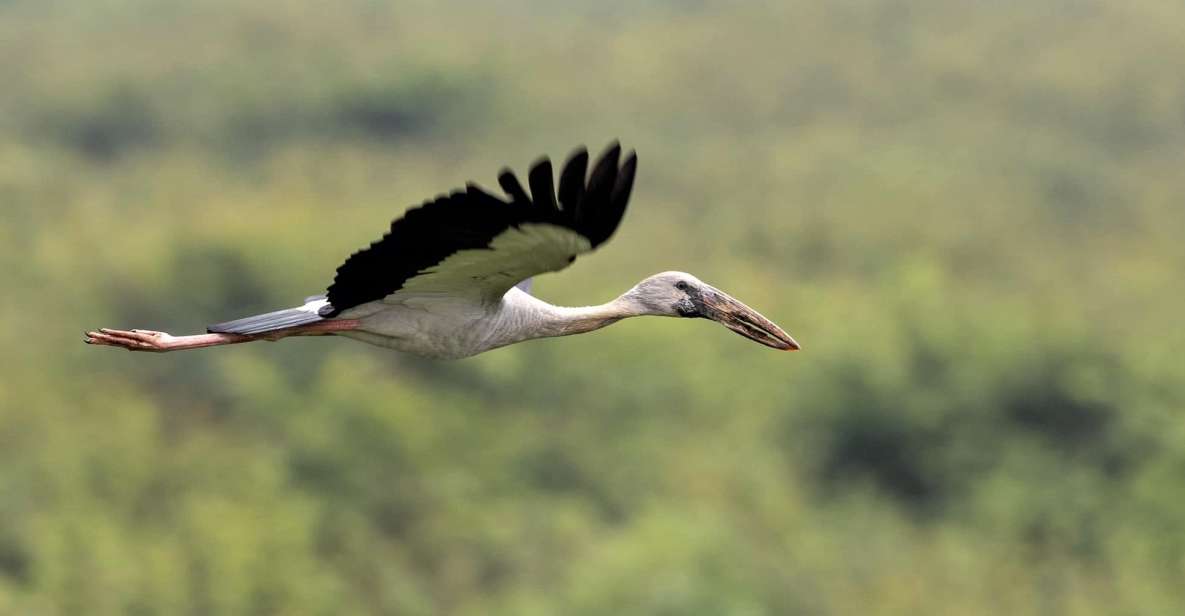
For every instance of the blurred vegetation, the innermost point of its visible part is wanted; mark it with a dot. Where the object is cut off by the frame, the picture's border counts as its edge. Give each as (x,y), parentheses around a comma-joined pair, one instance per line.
(969,213)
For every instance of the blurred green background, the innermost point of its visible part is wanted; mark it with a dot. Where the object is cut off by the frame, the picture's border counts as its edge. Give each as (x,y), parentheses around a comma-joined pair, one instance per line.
(969,213)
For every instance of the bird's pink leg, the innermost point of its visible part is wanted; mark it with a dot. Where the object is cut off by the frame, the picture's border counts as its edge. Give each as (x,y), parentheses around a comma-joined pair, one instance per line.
(160,342)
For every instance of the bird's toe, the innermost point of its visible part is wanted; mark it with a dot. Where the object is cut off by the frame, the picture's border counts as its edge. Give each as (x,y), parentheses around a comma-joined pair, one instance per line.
(135,340)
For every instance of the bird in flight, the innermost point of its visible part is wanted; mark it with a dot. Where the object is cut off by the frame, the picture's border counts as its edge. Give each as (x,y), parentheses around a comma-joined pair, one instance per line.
(452,277)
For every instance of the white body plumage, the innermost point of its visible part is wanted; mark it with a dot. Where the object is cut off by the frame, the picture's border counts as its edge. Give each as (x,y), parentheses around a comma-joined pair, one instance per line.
(447,327)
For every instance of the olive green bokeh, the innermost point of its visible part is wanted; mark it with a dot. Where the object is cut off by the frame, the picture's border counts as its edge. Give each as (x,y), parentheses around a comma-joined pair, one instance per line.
(968,213)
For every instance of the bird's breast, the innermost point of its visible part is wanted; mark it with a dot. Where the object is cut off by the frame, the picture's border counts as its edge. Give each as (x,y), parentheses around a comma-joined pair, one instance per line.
(441,332)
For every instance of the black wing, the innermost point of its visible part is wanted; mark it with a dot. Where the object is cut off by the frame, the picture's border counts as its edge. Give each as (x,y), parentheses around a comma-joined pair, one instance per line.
(471,241)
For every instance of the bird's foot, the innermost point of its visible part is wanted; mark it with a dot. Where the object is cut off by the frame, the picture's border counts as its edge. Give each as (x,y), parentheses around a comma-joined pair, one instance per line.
(132,340)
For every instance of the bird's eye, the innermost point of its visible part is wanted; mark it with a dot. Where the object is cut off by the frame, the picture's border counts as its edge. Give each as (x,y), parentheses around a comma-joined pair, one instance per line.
(682,286)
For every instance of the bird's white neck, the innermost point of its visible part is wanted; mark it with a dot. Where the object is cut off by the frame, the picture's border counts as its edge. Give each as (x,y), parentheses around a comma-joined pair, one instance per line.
(534,318)
(567,320)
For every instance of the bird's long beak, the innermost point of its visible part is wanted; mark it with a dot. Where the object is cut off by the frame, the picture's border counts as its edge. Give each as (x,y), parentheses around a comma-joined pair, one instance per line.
(724,309)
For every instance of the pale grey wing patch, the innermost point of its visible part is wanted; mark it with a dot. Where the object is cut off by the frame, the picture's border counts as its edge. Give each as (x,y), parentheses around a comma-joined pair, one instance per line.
(525,286)
(488,273)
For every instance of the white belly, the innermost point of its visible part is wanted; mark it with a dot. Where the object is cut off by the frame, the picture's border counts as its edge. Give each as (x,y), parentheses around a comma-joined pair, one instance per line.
(438,330)
(449,327)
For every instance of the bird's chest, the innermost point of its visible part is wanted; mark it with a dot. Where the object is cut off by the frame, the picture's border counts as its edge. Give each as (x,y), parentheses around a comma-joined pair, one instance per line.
(441,332)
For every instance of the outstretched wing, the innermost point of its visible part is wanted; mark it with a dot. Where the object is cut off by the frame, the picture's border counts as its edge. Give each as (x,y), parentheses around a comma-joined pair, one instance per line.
(472,243)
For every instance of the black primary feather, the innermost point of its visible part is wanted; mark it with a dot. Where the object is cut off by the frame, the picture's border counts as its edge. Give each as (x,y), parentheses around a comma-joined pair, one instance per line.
(510,184)
(472,218)
(572,183)
(542,185)
(600,184)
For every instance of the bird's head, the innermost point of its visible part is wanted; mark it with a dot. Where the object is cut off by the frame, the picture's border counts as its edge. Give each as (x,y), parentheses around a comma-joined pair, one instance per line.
(678,294)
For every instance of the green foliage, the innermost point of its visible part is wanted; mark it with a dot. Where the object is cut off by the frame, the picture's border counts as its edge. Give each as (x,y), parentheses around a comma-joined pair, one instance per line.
(968,214)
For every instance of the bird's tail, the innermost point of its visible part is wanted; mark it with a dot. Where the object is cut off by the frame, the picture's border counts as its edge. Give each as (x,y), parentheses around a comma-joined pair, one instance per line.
(272,321)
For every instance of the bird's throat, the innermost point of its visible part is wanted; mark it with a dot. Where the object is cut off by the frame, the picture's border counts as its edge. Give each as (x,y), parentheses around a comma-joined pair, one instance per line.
(578,320)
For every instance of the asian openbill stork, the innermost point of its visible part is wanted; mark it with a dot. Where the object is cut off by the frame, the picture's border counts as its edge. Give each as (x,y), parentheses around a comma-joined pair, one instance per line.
(451,278)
